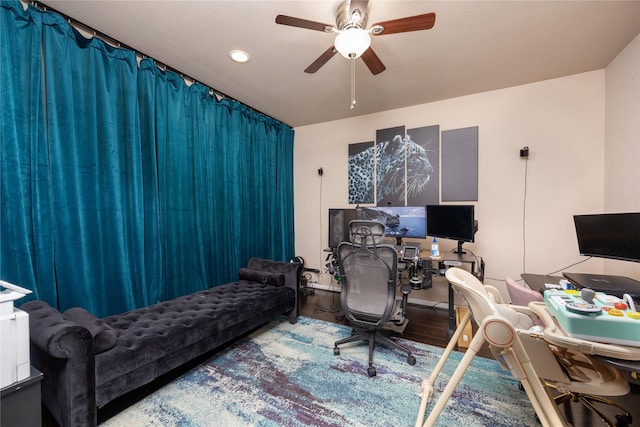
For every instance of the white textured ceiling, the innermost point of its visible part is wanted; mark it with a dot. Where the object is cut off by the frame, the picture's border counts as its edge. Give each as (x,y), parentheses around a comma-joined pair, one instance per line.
(475,46)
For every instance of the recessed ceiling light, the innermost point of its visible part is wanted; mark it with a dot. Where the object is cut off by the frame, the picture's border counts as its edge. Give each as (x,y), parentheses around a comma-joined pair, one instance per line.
(239,55)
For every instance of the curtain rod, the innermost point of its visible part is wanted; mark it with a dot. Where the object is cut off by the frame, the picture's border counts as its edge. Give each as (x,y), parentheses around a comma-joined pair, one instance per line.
(116,43)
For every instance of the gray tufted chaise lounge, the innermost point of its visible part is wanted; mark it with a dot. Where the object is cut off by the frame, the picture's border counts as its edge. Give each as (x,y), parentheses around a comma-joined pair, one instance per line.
(88,362)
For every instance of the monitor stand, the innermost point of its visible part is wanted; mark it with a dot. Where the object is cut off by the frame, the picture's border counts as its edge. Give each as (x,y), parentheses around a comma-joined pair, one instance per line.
(459,249)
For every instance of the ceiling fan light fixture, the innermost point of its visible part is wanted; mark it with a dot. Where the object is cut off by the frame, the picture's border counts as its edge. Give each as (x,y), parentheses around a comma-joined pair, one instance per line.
(352,42)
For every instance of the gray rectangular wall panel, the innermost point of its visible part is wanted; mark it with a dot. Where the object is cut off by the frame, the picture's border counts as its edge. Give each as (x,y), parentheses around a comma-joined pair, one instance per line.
(460,165)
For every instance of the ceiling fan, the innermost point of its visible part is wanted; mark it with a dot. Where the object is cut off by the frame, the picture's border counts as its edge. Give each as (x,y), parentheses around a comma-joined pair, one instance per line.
(353,39)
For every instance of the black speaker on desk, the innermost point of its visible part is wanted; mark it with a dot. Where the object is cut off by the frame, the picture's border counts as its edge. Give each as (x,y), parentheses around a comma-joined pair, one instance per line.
(480,272)
(339,225)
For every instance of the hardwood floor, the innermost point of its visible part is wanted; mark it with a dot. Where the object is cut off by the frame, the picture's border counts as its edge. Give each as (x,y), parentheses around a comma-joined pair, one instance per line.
(429,325)
(426,324)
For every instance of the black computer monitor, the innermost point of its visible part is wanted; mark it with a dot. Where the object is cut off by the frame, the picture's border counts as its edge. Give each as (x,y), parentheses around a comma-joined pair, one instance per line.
(399,221)
(613,235)
(454,222)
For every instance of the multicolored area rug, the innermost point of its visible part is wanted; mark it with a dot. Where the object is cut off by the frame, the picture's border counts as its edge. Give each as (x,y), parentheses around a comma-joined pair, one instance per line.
(287,375)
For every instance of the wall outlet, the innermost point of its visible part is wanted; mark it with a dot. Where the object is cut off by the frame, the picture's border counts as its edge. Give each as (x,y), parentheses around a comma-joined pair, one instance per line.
(524,152)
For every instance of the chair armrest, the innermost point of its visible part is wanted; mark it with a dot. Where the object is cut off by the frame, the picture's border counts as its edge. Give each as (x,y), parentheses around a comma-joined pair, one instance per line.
(53,333)
(291,271)
(494,293)
(64,352)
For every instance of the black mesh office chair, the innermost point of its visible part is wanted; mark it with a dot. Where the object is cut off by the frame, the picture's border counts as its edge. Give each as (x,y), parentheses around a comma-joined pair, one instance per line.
(369,273)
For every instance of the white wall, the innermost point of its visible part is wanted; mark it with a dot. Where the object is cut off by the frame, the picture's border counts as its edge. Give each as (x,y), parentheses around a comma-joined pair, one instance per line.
(622,147)
(562,121)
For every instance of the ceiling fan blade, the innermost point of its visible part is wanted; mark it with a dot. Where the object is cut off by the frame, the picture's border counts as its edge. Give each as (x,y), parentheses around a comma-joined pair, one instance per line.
(322,59)
(405,25)
(372,61)
(302,23)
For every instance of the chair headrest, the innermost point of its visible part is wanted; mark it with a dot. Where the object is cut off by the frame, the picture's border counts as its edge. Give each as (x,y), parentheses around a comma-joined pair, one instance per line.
(366,232)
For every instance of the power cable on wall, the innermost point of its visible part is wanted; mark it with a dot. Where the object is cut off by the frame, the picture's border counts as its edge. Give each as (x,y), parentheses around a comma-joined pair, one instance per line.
(524,154)
(569,266)
(329,303)
(524,208)
(321,263)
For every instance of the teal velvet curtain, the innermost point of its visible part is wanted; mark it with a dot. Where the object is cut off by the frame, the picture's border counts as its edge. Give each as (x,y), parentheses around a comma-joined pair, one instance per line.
(174,129)
(26,237)
(221,199)
(93,134)
(122,185)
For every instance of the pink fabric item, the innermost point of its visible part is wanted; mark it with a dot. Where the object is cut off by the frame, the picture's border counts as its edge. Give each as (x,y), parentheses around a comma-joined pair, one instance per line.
(521,295)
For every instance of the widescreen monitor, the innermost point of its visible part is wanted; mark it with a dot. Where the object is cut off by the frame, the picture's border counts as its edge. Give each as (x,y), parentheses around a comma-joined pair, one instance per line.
(613,235)
(454,222)
(399,221)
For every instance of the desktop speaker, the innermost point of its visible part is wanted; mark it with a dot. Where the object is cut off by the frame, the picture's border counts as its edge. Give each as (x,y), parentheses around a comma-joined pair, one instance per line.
(339,225)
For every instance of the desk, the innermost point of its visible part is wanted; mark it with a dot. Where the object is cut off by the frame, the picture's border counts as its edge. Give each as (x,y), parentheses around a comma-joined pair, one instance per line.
(450,259)
(537,281)
(445,260)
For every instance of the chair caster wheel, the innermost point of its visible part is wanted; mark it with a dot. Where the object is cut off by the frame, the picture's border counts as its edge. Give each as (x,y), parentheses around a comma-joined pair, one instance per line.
(371,371)
(336,351)
(623,420)
(411,360)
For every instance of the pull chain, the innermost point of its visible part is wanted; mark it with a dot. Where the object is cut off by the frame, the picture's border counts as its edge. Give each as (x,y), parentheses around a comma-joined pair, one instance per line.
(353,82)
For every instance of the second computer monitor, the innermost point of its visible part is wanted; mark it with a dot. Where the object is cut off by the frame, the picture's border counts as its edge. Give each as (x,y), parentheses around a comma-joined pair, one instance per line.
(454,222)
